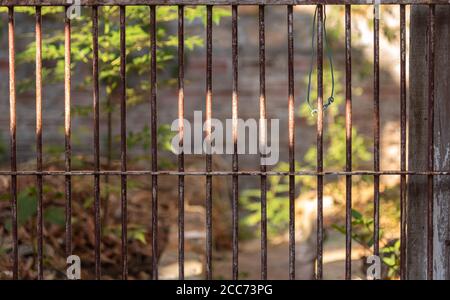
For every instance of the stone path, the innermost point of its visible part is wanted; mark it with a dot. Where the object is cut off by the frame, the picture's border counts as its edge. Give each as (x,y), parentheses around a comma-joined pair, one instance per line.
(249,263)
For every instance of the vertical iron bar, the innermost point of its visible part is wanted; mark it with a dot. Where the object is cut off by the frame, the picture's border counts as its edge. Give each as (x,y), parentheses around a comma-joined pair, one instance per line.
(12,136)
(235,200)
(208,129)
(123,140)
(430,200)
(38,30)
(291,136)
(154,143)
(181,143)
(96,141)
(106,198)
(402,141)
(67,133)
(376,126)
(263,139)
(348,145)
(319,142)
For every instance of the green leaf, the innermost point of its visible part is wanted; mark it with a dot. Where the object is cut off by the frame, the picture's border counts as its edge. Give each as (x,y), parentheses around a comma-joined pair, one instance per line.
(390,261)
(138,234)
(26,207)
(55,215)
(356,214)
(339,228)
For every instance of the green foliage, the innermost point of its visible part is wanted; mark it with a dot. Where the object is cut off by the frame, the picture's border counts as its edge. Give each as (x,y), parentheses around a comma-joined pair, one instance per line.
(27,208)
(135,232)
(334,131)
(137,45)
(138,55)
(335,152)
(334,143)
(55,215)
(362,233)
(138,69)
(142,138)
(391,258)
(277,203)
(138,233)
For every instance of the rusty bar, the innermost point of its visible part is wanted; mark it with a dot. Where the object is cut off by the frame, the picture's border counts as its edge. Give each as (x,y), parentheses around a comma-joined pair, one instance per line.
(208,205)
(225,173)
(235,183)
(67,133)
(12,137)
(402,142)
(348,144)
(96,141)
(291,136)
(40,223)
(430,196)
(209,2)
(376,127)
(123,140)
(263,139)
(181,143)
(319,271)
(106,197)
(154,143)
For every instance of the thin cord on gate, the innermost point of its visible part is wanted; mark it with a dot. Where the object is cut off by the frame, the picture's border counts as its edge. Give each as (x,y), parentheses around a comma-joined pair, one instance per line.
(330,59)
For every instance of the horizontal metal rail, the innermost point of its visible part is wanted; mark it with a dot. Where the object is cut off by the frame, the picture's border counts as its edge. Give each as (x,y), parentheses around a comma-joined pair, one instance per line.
(225,173)
(215,2)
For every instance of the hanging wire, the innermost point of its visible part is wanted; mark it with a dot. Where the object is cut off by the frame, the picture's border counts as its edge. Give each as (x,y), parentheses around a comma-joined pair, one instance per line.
(330,60)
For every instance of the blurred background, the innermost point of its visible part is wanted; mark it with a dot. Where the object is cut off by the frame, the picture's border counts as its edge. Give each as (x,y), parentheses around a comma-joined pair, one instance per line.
(138,141)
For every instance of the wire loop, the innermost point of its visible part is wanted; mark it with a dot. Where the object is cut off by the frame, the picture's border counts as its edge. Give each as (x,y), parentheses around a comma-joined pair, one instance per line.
(330,60)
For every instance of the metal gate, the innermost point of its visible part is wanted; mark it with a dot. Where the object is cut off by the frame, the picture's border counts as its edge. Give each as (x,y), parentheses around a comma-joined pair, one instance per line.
(208,173)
